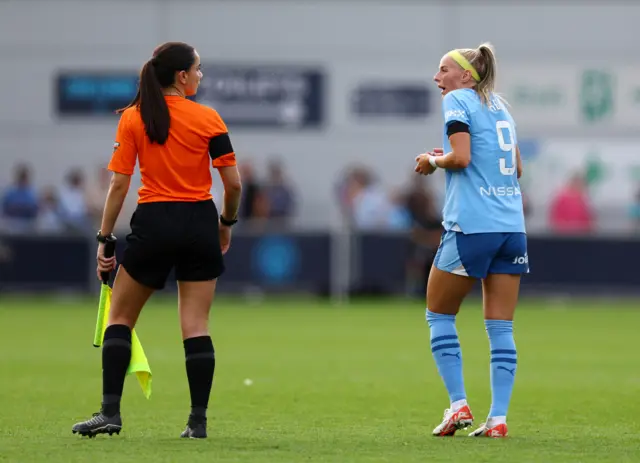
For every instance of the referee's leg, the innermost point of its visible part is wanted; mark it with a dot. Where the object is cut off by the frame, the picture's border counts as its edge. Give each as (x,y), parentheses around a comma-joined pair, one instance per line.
(127,300)
(194,303)
(198,266)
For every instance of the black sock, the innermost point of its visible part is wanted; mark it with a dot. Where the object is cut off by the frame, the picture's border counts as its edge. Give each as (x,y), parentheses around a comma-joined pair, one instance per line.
(201,362)
(116,355)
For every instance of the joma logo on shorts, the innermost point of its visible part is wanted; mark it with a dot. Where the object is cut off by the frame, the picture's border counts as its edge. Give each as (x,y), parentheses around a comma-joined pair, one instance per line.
(521,260)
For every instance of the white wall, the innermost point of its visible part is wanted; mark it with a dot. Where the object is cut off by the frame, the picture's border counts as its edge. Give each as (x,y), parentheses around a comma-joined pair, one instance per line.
(353,40)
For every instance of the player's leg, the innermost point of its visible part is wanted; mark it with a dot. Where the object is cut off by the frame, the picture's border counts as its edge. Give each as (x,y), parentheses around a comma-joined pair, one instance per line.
(143,270)
(197,269)
(447,287)
(500,297)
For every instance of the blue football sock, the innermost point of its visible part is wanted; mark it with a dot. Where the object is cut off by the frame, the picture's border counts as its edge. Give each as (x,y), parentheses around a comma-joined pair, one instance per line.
(503,364)
(447,354)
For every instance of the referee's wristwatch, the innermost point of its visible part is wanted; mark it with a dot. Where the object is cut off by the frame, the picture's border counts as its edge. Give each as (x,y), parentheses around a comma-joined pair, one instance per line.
(227,223)
(104,238)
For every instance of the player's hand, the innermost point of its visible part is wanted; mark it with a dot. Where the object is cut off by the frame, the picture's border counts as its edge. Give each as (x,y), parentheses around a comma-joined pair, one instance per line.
(225,238)
(105,264)
(423,166)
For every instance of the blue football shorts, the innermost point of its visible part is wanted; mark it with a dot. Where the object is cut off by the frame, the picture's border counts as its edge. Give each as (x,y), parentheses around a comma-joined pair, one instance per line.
(480,254)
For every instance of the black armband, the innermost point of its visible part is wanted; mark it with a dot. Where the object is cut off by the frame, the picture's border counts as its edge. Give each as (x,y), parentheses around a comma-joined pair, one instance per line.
(220,145)
(457,127)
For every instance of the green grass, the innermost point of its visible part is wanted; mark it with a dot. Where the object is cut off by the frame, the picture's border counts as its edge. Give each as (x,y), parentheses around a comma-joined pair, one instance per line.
(352,384)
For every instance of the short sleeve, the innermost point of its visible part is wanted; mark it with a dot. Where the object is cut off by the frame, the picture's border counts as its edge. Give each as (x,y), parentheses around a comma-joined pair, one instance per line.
(454,109)
(220,147)
(125,152)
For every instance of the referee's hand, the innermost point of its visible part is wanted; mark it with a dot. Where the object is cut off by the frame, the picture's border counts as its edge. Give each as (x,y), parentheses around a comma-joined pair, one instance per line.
(225,237)
(105,264)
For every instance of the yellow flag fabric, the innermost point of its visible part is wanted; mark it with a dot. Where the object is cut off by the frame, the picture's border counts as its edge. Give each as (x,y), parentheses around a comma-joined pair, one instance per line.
(139,363)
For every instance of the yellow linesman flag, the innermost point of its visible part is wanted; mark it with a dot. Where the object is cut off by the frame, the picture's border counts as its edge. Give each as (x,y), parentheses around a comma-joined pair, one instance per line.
(139,363)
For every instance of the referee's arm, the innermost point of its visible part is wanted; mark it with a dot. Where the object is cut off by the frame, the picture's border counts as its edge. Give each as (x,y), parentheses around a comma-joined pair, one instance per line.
(116,195)
(123,161)
(232,191)
(223,158)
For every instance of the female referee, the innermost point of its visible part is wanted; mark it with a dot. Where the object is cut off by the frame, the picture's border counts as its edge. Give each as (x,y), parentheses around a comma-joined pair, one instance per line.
(176,224)
(484,232)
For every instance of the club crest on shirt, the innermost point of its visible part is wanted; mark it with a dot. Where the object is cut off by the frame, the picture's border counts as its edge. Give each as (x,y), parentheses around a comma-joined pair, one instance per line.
(116,145)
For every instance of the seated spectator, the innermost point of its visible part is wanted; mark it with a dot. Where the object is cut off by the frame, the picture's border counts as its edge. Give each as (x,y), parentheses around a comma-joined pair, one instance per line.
(250,191)
(421,205)
(73,203)
(570,210)
(279,193)
(20,202)
(425,234)
(399,216)
(49,217)
(372,206)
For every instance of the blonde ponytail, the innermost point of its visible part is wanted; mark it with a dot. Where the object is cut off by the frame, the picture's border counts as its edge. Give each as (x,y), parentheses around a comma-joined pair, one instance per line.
(487,83)
(483,59)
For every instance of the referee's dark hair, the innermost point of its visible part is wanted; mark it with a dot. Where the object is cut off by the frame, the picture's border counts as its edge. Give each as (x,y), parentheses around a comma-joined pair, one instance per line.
(159,73)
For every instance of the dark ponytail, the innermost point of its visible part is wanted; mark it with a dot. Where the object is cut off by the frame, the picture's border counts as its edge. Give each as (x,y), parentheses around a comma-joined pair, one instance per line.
(153,107)
(159,73)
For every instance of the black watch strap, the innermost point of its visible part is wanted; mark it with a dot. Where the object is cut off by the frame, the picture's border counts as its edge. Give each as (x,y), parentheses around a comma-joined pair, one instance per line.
(227,223)
(104,238)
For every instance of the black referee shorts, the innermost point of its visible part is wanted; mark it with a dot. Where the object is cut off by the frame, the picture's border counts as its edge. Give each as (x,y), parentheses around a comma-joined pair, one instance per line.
(167,235)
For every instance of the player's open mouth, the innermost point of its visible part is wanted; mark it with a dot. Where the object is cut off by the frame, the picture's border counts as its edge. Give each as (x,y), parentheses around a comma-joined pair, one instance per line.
(442,89)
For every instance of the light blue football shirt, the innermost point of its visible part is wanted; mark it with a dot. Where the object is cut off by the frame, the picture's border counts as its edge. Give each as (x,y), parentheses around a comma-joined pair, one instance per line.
(485,197)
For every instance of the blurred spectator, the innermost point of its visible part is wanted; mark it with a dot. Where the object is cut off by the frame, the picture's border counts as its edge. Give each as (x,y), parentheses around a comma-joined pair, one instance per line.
(49,217)
(425,234)
(73,203)
(373,208)
(261,207)
(570,210)
(250,190)
(367,200)
(279,193)
(20,201)
(420,204)
(365,205)
(399,215)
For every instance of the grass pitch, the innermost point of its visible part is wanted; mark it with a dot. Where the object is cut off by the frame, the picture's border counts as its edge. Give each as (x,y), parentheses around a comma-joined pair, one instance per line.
(351,384)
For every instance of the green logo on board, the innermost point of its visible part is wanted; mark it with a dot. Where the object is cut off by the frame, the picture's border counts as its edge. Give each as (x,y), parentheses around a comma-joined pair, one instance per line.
(596,95)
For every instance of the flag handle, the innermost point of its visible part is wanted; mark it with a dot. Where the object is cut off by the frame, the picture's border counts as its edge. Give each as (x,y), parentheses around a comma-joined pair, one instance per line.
(109,251)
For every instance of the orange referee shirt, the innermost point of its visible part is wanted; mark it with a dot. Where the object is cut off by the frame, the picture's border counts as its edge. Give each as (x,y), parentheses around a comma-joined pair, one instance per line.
(179,169)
